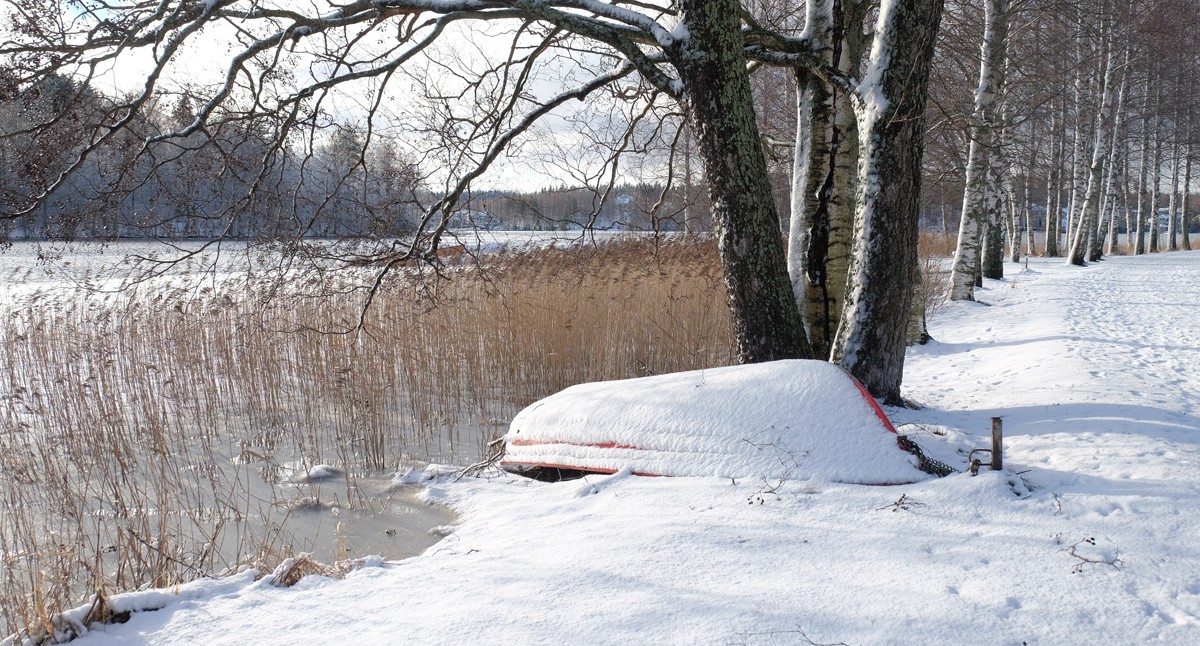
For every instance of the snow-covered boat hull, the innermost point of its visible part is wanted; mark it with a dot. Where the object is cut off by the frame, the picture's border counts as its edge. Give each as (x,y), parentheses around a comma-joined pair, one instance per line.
(806,420)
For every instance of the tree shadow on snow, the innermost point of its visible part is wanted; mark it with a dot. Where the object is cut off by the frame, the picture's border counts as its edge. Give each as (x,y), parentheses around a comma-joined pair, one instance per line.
(1086,417)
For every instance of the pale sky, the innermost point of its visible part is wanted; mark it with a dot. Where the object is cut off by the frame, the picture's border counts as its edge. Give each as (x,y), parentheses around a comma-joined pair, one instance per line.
(204,58)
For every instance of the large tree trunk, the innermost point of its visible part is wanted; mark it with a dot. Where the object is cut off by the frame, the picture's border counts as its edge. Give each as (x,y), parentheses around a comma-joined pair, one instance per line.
(870,342)
(720,108)
(808,235)
(843,206)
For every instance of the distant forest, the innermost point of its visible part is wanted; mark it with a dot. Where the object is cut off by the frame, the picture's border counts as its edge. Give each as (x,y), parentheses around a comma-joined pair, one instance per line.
(188,188)
(234,179)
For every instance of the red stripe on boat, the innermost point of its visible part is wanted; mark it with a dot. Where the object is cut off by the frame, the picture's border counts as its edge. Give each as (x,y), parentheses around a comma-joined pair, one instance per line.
(596,445)
(874,404)
(599,470)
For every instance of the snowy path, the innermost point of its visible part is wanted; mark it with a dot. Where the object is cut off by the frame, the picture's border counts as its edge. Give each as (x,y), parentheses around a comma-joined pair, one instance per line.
(1148,339)
(1096,373)
(1075,353)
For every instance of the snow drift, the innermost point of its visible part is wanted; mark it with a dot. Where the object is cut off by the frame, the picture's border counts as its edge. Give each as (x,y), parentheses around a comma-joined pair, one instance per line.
(807,420)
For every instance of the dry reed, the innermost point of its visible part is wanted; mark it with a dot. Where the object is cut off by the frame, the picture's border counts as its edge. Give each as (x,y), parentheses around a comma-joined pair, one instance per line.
(934,251)
(142,433)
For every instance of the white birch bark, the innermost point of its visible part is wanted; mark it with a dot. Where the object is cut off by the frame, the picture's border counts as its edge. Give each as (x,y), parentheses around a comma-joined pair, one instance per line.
(1079,166)
(1031,245)
(1108,231)
(967,256)
(1150,217)
(842,202)
(1184,213)
(808,233)
(1107,211)
(991,252)
(870,341)
(1127,208)
(1014,220)
(1138,242)
(1172,200)
(1084,229)
(825,178)
(1026,207)
(1054,192)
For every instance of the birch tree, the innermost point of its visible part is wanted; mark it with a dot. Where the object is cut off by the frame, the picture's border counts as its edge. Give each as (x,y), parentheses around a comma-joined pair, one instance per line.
(812,184)
(1149,217)
(1173,194)
(979,198)
(1084,227)
(1145,174)
(826,170)
(1054,180)
(1185,216)
(991,248)
(870,341)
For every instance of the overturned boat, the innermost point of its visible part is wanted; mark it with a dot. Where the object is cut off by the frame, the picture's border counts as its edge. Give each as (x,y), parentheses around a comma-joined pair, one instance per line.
(804,420)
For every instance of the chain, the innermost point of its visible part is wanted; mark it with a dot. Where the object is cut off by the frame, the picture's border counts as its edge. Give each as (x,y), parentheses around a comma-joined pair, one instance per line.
(924,462)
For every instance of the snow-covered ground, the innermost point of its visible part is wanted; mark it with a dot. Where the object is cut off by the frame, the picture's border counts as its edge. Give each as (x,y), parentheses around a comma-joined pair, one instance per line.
(1092,535)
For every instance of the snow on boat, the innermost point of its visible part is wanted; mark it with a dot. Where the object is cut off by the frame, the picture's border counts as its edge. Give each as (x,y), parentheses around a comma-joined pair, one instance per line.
(804,420)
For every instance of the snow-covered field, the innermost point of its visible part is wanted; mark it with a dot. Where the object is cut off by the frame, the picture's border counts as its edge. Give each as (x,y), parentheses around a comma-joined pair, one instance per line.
(1092,535)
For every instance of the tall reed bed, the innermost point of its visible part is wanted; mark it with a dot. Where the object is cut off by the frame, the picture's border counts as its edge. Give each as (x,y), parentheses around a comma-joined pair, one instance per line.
(144,435)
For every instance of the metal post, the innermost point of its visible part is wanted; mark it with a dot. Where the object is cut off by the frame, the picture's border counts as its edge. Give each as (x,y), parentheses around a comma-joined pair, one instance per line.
(997,443)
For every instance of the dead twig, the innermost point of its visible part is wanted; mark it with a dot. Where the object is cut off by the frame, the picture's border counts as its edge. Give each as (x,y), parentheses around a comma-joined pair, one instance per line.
(746,637)
(903,503)
(1073,550)
(495,454)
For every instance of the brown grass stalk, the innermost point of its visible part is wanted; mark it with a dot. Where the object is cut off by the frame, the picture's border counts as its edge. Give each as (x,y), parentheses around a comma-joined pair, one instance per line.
(141,433)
